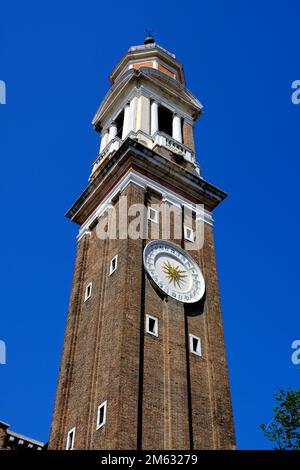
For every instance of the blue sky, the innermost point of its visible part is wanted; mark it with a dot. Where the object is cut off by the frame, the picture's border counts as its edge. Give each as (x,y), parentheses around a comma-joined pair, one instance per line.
(240,59)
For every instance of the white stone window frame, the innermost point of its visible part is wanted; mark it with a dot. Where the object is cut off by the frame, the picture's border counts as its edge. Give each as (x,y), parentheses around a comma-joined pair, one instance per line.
(148,331)
(71,439)
(113,265)
(99,423)
(88,291)
(186,230)
(198,350)
(156,217)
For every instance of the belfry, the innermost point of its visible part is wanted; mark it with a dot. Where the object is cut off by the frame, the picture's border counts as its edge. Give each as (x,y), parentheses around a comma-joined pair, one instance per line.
(144,361)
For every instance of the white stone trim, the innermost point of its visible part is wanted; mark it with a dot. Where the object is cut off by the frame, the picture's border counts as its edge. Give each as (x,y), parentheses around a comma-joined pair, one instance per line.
(126,121)
(115,101)
(159,138)
(73,430)
(186,231)
(133,62)
(176,128)
(198,350)
(148,331)
(112,131)
(156,215)
(102,423)
(143,115)
(143,182)
(14,436)
(112,267)
(104,140)
(85,232)
(118,101)
(154,117)
(174,145)
(153,94)
(88,291)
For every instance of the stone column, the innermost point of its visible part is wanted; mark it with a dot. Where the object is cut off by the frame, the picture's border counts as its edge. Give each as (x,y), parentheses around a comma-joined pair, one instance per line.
(112,131)
(143,114)
(104,140)
(154,117)
(126,122)
(133,112)
(176,128)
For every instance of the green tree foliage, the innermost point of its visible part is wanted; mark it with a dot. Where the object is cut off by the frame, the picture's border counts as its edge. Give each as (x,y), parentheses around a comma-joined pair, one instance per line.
(284,429)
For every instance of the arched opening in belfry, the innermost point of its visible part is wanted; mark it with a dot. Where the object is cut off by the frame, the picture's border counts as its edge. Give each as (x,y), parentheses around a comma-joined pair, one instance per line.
(165,118)
(119,122)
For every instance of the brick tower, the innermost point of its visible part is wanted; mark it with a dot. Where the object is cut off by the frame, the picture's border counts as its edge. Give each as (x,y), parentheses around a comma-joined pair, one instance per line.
(144,361)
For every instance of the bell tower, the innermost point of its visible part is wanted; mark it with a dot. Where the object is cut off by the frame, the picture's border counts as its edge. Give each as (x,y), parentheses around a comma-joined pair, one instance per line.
(144,361)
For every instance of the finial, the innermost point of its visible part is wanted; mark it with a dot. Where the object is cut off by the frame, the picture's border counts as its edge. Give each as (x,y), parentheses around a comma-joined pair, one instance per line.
(149,39)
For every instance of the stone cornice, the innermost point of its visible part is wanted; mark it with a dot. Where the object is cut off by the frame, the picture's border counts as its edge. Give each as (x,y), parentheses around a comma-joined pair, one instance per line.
(147,184)
(133,155)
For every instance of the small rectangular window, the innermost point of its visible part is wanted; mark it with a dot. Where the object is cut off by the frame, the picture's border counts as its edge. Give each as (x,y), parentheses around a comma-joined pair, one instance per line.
(113,264)
(151,325)
(195,345)
(153,214)
(101,415)
(189,234)
(88,291)
(70,439)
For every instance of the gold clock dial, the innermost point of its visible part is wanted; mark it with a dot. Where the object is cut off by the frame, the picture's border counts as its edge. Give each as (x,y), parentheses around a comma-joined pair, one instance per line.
(174,271)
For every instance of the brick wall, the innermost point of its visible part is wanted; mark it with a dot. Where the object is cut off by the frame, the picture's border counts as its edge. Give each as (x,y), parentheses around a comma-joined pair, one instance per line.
(188,135)
(160,396)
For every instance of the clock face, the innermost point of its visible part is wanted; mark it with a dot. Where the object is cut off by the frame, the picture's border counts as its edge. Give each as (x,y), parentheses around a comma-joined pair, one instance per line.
(174,271)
